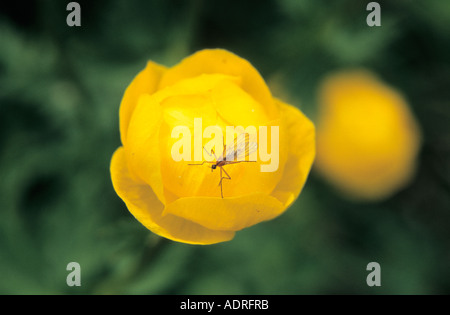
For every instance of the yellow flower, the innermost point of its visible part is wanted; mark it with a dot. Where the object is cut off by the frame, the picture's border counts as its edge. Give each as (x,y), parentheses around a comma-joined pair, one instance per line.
(367,138)
(183,202)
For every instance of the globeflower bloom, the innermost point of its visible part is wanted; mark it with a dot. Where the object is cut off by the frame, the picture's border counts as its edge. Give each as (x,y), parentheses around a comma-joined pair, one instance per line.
(367,137)
(193,203)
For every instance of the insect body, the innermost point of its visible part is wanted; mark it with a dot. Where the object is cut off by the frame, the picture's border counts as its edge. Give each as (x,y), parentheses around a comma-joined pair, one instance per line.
(237,153)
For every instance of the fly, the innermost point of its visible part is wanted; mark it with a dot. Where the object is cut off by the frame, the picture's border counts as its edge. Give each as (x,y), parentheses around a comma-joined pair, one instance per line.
(241,149)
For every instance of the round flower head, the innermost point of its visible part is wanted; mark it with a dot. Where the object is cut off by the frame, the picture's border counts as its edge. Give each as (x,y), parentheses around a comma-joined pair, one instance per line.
(367,138)
(182,189)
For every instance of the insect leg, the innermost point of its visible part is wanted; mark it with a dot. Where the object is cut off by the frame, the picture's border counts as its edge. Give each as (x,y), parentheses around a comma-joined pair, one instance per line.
(211,154)
(201,163)
(220,183)
(206,161)
(207,151)
(236,162)
(228,176)
(222,178)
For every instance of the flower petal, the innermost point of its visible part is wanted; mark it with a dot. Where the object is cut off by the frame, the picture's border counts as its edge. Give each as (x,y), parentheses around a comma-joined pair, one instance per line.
(211,61)
(145,82)
(142,202)
(301,156)
(228,213)
(237,107)
(142,144)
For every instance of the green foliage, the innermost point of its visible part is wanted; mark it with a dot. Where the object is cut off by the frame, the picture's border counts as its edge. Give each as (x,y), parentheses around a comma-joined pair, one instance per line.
(60,90)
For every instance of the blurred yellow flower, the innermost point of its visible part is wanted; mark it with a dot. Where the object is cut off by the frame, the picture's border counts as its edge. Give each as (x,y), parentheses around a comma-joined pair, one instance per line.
(367,137)
(183,202)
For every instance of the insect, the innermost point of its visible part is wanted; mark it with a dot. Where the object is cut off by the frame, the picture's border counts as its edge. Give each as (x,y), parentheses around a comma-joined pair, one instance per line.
(237,153)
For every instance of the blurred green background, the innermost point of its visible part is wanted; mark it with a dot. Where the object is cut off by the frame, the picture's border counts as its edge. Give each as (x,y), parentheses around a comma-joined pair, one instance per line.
(60,90)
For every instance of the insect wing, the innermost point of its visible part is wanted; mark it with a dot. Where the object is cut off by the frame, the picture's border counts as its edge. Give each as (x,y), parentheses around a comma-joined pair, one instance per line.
(241,150)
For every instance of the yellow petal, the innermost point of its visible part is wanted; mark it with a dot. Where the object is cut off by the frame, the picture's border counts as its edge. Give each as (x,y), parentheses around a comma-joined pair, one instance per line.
(145,82)
(142,144)
(211,61)
(146,208)
(237,107)
(226,214)
(301,142)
